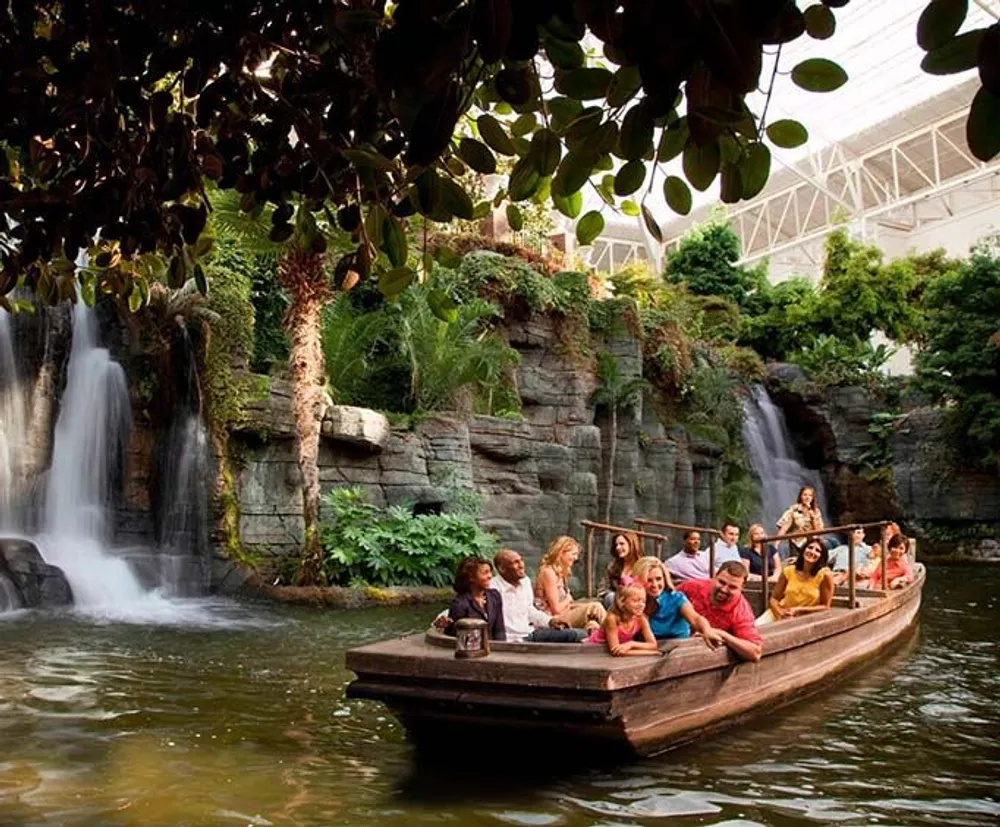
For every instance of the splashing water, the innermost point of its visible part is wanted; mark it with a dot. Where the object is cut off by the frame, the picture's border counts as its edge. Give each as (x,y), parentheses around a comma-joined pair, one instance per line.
(773,460)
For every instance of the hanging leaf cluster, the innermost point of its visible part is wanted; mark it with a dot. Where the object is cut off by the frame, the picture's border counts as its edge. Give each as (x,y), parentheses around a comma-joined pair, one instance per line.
(116,113)
(949,52)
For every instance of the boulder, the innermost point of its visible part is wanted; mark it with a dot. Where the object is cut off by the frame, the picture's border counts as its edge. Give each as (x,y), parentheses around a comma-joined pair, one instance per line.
(39,584)
(356,426)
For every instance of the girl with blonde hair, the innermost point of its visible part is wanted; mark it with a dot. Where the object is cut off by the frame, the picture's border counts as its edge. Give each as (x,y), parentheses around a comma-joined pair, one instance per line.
(552,594)
(626,630)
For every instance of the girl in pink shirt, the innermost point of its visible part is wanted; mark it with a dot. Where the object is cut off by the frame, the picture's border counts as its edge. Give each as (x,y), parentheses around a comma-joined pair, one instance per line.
(625,629)
(898,572)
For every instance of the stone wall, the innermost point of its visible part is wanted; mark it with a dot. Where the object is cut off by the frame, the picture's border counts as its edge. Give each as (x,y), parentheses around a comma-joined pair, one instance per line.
(922,487)
(539,477)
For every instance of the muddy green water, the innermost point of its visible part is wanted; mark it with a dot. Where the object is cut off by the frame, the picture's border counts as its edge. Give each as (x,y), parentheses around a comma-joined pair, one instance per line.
(231,714)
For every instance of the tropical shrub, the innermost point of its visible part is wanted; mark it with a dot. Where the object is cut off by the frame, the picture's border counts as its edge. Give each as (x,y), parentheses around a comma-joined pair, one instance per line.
(959,363)
(834,361)
(365,544)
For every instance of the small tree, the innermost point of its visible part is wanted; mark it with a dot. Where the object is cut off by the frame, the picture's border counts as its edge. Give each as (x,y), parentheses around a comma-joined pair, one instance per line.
(615,392)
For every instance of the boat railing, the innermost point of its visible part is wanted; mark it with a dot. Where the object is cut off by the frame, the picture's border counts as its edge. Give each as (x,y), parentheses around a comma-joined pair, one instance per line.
(591,528)
(882,525)
(713,534)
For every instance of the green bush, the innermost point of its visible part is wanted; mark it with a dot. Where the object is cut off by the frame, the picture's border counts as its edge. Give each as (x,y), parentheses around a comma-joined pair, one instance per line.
(365,544)
(833,361)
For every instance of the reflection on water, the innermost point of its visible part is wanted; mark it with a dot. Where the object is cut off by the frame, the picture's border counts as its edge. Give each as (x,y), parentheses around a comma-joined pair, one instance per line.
(238,717)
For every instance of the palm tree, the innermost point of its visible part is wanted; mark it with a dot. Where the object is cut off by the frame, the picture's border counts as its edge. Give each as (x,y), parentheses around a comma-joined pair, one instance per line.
(615,392)
(304,275)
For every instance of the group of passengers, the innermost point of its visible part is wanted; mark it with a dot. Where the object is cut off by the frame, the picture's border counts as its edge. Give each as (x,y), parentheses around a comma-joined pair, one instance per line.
(640,603)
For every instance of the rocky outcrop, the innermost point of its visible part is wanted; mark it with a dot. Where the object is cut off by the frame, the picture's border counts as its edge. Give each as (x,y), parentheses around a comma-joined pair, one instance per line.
(37,584)
(899,466)
(537,477)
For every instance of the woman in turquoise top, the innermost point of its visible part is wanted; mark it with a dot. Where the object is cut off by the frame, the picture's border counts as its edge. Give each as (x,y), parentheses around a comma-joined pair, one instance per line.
(670,614)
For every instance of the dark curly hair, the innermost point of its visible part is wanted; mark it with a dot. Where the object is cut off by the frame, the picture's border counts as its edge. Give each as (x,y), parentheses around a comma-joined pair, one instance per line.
(466,573)
(824,555)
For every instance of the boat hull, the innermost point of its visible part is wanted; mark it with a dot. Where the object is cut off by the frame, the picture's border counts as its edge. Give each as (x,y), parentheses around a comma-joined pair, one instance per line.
(570,694)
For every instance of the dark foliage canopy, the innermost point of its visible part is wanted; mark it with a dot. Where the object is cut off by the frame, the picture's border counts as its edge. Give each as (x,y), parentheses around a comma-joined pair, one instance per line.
(363,112)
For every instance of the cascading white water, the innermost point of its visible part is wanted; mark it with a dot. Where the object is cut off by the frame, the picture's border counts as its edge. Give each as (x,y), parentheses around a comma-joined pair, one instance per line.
(88,453)
(13,425)
(773,460)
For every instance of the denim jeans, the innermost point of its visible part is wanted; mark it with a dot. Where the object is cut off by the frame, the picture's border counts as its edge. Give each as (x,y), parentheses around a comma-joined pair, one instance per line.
(557,636)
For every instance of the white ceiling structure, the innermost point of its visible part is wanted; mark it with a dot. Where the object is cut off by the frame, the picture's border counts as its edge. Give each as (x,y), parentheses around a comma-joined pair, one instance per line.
(887,155)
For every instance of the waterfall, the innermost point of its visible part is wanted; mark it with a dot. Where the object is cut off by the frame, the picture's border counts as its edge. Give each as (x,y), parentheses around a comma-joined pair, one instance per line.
(773,460)
(87,461)
(13,425)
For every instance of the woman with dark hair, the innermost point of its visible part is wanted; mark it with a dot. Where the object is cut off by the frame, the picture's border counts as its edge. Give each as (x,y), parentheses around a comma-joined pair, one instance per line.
(804,587)
(625,551)
(898,571)
(802,515)
(475,598)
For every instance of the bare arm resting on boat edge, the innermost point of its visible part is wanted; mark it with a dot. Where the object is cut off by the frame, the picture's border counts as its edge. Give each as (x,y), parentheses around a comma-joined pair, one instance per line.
(721,603)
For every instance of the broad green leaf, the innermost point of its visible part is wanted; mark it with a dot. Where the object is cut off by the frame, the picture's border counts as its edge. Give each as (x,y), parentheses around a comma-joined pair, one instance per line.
(545,152)
(574,171)
(630,208)
(672,141)
(651,224)
(939,22)
(447,257)
(606,189)
(817,74)
(589,227)
(367,158)
(482,209)
(701,164)
(135,297)
(569,205)
(524,181)
(583,84)
(730,184)
(523,125)
(494,135)
(562,111)
(625,83)
(604,164)
(787,133)
(564,54)
(477,155)
(635,138)
(959,54)
(514,218)
(522,146)
(199,279)
(820,22)
(456,200)
(677,194)
(755,169)
(87,291)
(428,191)
(394,241)
(630,178)
(544,191)
(982,130)
(393,282)
(442,305)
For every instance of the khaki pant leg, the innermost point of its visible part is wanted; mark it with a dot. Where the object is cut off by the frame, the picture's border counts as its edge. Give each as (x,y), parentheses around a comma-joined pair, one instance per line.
(579,614)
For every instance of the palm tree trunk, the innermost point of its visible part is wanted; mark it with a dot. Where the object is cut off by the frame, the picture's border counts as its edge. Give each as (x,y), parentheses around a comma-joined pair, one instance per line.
(612,450)
(303,276)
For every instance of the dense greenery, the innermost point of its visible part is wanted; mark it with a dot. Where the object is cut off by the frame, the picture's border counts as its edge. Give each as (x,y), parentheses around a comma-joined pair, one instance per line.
(959,362)
(367,545)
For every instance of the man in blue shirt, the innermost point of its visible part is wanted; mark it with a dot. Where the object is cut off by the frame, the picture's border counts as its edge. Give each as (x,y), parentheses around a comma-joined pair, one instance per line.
(839,559)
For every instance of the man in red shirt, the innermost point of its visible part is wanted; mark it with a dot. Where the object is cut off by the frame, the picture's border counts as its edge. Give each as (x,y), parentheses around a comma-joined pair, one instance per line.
(721,602)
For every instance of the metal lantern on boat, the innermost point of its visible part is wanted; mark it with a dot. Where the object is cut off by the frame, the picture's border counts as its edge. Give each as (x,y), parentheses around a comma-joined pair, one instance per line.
(472,638)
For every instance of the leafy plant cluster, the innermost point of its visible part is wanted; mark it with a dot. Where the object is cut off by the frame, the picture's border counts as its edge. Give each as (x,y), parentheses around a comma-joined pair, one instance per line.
(365,544)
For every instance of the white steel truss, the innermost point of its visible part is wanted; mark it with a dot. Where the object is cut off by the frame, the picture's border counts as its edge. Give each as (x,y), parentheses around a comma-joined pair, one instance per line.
(902,184)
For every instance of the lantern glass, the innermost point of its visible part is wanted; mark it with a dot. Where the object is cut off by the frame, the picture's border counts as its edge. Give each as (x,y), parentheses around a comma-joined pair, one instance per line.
(472,638)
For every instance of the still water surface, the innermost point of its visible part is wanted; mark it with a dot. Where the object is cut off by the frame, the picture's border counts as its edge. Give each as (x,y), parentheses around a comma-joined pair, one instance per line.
(235,715)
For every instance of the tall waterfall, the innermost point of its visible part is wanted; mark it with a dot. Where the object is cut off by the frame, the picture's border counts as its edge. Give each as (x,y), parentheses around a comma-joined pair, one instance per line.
(87,460)
(773,460)
(13,425)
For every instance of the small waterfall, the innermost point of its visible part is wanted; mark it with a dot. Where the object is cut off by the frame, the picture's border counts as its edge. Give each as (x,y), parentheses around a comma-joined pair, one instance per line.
(13,426)
(87,461)
(184,476)
(773,460)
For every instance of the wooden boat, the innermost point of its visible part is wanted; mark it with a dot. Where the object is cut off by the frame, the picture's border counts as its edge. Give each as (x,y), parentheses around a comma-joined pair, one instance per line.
(565,694)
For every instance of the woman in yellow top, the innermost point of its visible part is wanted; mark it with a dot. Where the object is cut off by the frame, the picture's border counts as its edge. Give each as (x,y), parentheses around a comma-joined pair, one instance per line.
(804,587)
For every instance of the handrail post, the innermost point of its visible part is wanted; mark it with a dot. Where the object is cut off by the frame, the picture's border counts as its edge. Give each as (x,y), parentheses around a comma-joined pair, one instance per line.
(765,570)
(884,555)
(589,535)
(711,554)
(658,548)
(851,588)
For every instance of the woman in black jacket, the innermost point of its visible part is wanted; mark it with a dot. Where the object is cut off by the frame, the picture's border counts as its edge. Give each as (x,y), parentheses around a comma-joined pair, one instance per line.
(475,598)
